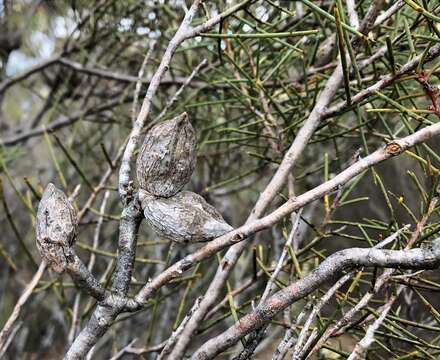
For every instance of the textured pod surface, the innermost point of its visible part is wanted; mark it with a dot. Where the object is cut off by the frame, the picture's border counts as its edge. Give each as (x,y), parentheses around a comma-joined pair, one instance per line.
(325,51)
(167,157)
(56,227)
(185,217)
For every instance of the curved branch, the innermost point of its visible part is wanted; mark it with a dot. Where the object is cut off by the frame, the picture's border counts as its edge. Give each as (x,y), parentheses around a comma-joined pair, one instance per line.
(382,83)
(333,267)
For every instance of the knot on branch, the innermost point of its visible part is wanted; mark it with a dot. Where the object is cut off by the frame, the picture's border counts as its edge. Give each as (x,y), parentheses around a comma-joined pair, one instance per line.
(393,148)
(126,191)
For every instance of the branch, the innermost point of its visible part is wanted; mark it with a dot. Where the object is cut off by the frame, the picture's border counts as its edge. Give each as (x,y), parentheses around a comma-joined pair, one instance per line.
(130,349)
(60,123)
(352,13)
(184,32)
(101,320)
(131,218)
(299,348)
(137,90)
(9,325)
(333,267)
(188,80)
(83,278)
(255,338)
(5,84)
(106,312)
(368,339)
(384,82)
(388,13)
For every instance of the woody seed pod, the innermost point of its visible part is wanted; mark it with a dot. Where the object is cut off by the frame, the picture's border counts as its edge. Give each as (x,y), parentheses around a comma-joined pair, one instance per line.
(185,217)
(324,53)
(167,157)
(56,228)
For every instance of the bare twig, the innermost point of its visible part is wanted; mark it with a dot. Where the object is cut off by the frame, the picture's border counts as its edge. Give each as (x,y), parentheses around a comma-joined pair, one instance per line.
(138,87)
(10,323)
(171,101)
(368,339)
(299,348)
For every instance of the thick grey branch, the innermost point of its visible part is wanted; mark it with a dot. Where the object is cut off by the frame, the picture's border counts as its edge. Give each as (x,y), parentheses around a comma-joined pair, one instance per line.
(382,83)
(102,318)
(333,267)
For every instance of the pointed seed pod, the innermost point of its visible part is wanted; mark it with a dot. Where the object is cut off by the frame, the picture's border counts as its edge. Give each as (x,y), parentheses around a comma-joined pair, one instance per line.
(185,217)
(56,228)
(325,51)
(167,157)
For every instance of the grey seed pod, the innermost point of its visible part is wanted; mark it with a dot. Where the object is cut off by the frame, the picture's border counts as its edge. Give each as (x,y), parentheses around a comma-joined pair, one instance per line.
(185,217)
(56,228)
(167,157)
(325,51)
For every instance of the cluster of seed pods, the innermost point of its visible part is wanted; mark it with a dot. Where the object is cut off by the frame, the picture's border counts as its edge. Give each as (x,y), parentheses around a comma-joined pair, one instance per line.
(164,166)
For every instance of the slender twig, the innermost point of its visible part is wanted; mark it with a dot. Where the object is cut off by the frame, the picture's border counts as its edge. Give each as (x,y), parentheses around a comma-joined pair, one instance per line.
(134,108)
(10,323)
(106,312)
(173,99)
(368,339)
